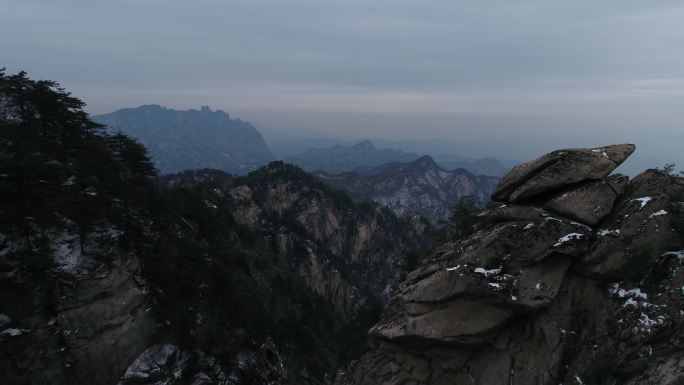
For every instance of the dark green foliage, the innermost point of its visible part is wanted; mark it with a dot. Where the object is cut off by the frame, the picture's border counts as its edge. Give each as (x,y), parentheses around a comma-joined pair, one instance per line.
(463,217)
(56,163)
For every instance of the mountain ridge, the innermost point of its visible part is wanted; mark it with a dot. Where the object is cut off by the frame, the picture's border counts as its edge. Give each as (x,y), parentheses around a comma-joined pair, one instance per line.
(420,187)
(340,158)
(192,139)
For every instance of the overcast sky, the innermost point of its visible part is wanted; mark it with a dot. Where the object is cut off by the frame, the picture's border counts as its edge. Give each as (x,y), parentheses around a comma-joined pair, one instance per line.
(393,68)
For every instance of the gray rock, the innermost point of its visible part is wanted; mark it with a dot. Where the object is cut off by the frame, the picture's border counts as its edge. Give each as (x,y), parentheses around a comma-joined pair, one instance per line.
(560,168)
(550,316)
(540,283)
(590,202)
(4,320)
(507,213)
(638,232)
(525,242)
(462,321)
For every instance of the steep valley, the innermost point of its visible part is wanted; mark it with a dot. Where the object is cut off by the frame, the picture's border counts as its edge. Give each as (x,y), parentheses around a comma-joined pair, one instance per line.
(109,275)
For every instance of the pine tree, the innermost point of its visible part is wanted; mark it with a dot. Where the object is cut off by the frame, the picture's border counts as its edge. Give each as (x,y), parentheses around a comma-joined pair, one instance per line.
(463,217)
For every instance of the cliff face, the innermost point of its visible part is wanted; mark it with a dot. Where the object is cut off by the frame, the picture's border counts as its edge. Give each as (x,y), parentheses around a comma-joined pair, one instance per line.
(81,322)
(575,279)
(349,253)
(268,278)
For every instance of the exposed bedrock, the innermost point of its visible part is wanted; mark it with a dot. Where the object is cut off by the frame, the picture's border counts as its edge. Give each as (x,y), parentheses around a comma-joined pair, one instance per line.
(576,279)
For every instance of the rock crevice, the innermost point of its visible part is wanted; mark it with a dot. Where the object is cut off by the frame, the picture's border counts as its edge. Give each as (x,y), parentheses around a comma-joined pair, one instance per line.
(576,278)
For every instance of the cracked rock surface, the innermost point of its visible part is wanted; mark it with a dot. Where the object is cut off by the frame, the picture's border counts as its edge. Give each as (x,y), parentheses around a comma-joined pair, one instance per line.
(576,279)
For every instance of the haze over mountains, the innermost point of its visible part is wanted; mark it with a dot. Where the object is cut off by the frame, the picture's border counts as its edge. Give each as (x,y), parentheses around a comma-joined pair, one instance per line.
(182,140)
(345,158)
(420,187)
(197,139)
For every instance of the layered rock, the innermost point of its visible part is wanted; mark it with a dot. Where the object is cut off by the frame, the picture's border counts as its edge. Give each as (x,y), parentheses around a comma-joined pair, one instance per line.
(576,279)
(82,325)
(559,169)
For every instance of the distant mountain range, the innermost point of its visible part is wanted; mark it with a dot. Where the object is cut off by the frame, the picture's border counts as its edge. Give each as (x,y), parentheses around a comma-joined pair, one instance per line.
(345,158)
(420,187)
(192,139)
(365,154)
(199,139)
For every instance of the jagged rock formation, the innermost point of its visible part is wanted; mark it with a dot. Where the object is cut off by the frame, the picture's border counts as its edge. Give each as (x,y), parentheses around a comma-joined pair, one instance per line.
(82,327)
(188,140)
(420,187)
(576,279)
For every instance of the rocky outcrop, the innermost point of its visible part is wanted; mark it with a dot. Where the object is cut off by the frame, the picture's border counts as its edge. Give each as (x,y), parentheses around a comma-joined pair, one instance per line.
(347,254)
(558,169)
(82,323)
(169,365)
(579,281)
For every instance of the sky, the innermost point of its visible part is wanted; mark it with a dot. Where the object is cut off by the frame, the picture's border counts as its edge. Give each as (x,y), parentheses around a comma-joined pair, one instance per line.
(461,70)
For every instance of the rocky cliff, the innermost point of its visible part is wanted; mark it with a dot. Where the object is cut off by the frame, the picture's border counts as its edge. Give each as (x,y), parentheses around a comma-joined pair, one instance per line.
(82,321)
(575,279)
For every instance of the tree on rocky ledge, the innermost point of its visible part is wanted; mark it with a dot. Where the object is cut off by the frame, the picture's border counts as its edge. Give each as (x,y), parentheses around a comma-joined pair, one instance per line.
(56,163)
(463,217)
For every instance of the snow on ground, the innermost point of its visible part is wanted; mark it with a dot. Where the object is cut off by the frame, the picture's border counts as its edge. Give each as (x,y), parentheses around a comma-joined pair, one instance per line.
(678,254)
(657,214)
(13,332)
(605,232)
(643,201)
(486,272)
(647,323)
(568,238)
(66,251)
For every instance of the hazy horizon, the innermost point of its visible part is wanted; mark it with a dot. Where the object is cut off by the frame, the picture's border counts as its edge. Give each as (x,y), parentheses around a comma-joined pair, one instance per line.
(396,70)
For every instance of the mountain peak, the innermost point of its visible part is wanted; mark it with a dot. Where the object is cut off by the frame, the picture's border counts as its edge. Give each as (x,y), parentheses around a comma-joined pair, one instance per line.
(425,161)
(365,144)
(192,139)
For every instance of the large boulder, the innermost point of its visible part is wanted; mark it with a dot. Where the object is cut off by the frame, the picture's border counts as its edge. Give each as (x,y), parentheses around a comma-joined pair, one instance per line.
(589,202)
(639,230)
(558,169)
(507,213)
(462,321)
(537,299)
(524,242)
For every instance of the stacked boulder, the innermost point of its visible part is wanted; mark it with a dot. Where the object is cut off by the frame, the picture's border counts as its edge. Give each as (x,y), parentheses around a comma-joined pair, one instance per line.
(575,279)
